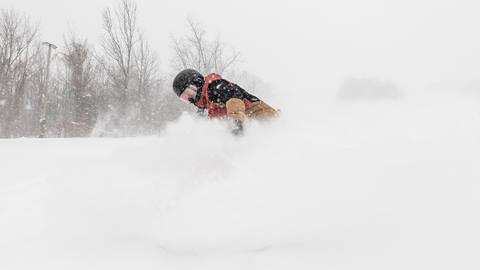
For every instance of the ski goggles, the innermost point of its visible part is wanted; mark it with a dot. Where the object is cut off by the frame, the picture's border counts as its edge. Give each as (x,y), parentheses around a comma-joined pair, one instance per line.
(189,94)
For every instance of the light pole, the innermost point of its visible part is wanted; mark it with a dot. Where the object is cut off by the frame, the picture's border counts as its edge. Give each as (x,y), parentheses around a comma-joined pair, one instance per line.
(43,105)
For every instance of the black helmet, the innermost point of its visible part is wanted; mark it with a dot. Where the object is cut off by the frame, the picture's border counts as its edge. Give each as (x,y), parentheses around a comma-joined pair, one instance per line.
(185,78)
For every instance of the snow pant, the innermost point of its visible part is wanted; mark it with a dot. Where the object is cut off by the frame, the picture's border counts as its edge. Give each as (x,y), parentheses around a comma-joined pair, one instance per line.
(237,110)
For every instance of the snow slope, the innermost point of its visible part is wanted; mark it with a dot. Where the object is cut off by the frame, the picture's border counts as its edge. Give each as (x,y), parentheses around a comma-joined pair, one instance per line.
(349,185)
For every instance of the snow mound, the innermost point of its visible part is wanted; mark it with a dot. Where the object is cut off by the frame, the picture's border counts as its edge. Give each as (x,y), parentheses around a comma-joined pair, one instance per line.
(364,185)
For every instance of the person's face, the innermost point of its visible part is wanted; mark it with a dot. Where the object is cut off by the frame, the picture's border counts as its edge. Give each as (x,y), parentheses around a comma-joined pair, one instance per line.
(189,94)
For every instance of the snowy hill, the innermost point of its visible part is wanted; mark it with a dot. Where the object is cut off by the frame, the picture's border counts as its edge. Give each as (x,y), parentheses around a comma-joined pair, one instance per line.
(351,185)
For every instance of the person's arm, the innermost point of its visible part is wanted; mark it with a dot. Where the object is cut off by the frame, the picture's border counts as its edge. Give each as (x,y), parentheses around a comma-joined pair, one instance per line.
(222,91)
(236,112)
(236,109)
(225,92)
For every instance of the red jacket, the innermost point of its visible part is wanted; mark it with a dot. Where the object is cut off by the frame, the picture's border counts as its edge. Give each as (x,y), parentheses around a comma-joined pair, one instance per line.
(218,109)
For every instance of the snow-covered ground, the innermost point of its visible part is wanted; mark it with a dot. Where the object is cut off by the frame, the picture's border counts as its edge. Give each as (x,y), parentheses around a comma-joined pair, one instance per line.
(344,185)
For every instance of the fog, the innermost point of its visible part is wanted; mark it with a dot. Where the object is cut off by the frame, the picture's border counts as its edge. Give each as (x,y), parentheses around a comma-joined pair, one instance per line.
(357,185)
(413,43)
(372,164)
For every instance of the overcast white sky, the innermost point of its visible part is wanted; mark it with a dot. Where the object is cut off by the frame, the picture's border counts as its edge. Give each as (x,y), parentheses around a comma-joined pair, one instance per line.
(409,41)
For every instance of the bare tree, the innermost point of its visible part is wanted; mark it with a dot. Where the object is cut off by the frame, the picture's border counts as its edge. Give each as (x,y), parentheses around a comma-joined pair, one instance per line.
(121,84)
(17,51)
(132,70)
(147,79)
(80,81)
(120,38)
(195,51)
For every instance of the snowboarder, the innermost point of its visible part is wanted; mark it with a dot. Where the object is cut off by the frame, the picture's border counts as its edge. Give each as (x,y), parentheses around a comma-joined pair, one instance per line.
(221,98)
